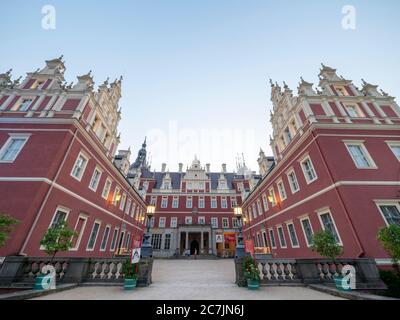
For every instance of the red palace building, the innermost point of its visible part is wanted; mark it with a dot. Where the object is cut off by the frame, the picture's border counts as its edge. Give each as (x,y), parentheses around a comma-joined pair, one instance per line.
(194,208)
(337,153)
(57,146)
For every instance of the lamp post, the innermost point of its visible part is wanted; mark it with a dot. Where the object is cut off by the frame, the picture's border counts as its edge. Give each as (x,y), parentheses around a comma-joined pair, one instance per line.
(240,249)
(147,248)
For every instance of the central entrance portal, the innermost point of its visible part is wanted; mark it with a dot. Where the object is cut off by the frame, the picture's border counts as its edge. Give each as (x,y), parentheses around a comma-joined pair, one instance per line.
(194,247)
(194,238)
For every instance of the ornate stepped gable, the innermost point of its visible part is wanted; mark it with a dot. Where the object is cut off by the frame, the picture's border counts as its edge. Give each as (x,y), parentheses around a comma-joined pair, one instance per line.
(44,93)
(336,100)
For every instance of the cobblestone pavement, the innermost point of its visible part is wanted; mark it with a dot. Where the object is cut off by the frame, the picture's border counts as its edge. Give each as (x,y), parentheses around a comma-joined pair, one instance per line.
(191,280)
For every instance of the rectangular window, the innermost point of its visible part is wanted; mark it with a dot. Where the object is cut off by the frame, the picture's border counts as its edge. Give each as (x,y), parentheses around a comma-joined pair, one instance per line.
(60,216)
(265,238)
(271,197)
(265,202)
(152,222)
(167,241)
(282,191)
(235,222)
(133,210)
(164,202)
(272,238)
(117,196)
(292,235)
(255,213)
(175,202)
(189,202)
(201,220)
(188,220)
(104,241)
(174,222)
(106,189)
(224,203)
(213,202)
(25,104)
(308,232)
(354,111)
(259,240)
(360,155)
(308,170)
(259,208)
(123,200)
(114,239)
(214,222)
(233,202)
(328,224)
(94,182)
(79,229)
(395,147)
(282,240)
(391,213)
(79,167)
(153,201)
(93,236)
(128,242)
(128,206)
(294,185)
(156,241)
(11,149)
(161,222)
(201,202)
(225,223)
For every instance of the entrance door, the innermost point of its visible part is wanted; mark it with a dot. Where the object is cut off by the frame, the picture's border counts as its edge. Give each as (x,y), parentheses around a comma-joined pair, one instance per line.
(194,246)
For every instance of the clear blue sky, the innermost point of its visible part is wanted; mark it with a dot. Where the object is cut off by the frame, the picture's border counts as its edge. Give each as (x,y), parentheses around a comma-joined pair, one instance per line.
(203,66)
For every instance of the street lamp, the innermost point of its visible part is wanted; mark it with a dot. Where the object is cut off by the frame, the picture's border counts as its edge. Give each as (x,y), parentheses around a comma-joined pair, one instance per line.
(147,248)
(240,249)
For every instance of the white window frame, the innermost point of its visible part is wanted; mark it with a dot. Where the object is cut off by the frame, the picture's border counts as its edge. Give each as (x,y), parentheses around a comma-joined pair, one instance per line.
(11,137)
(98,181)
(162,219)
(271,192)
(366,154)
(62,209)
(201,220)
(18,105)
(112,249)
(202,201)
(233,202)
(265,238)
(259,207)
(187,219)
(153,200)
(272,240)
(392,144)
(235,223)
(175,202)
(122,202)
(174,222)
(379,203)
(117,191)
(280,184)
(90,235)
(108,226)
(80,235)
(105,196)
(213,200)
(225,223)
(280,227)
(128,206)
(224,203)
(295,233)
(265,202)
(290,172)
(359,112)
(189,202)
(304,231)
(304,159)
(327,211)
(214,222)
(79,178)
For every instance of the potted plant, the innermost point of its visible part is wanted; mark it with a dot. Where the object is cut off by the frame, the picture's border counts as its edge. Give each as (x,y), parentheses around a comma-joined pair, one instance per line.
(130,271)
(251,273)
(324,243)
(56,239)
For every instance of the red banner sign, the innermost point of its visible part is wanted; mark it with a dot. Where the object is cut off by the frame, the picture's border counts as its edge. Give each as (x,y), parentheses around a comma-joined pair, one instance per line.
(249,246)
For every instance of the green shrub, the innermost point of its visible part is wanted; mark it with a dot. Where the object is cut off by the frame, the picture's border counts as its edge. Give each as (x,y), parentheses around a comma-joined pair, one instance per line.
(389,237)
(392,280)
(250,269)
(130,270)
(324,243)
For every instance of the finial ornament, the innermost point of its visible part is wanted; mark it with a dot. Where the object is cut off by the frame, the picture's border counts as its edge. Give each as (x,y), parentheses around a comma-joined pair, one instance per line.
(61,57)
(285,85)
(364,82)
(270,81)
(9,72)
(323,66)
(90,73)
(106,82)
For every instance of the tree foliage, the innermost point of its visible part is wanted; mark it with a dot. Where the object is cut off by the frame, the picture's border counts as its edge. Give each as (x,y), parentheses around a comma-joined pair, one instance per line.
(6,226)
(324,243)
(250,269)
(130,270)
(389,237)
(58,239)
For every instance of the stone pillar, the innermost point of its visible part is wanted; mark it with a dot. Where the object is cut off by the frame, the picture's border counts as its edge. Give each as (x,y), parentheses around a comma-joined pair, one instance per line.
(210,251)
(201,242)
(367,275)
(187,241)
(178,245)
(77,271)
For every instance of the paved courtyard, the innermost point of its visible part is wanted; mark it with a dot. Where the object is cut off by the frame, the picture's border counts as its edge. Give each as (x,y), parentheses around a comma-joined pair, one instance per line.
(191,280)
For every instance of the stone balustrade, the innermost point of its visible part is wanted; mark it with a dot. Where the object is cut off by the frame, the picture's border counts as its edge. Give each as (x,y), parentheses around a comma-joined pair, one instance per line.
(311,271)
(72,270)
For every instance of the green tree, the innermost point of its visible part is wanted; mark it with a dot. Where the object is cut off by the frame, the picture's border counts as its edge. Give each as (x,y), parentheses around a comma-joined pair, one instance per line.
(389,237)
(57,239)
(130,270)
(324,243)
(6,226)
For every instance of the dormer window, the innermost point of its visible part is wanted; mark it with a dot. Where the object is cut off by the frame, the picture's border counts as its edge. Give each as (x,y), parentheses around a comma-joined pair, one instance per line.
(354,111)
(341,91)
(25,104)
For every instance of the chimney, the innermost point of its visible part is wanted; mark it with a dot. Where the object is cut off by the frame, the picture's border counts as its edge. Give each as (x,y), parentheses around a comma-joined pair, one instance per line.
(224,168)
(180,167)
(163,167)
(208,168)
